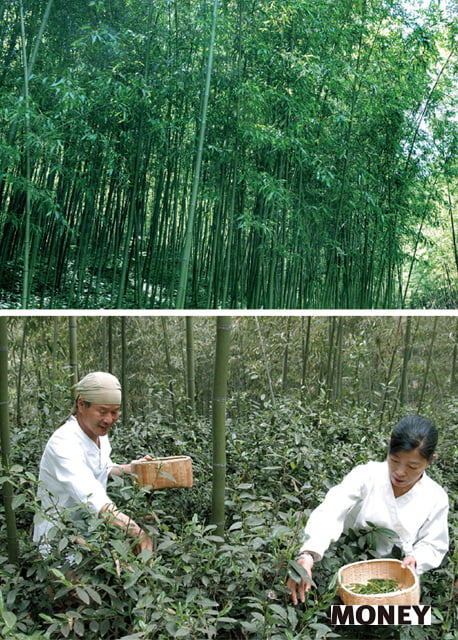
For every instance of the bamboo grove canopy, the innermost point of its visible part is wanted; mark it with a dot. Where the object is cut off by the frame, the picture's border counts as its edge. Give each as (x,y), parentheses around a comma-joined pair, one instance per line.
(329,143)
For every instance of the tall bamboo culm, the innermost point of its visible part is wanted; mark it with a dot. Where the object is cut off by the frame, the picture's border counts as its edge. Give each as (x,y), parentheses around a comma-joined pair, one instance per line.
(190,364)
(73,353)
(186,253)
(223,340)
(5,446)
(125,397)
(26,275)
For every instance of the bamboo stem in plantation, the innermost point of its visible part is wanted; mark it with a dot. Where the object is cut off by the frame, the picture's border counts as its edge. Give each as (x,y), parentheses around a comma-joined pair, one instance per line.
(124,376)
(454,367)
(73,353)
(223,340)
(305,350)
(266,363)
(428,364)
(286,356)
(10,518)
(168,361)
(125,398)
(20,370)
(394,350)
(26,274)
(190,364)
(110,345)
(404,390)
(186,253)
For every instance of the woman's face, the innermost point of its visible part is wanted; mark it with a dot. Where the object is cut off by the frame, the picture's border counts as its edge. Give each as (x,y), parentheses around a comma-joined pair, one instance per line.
(406,468)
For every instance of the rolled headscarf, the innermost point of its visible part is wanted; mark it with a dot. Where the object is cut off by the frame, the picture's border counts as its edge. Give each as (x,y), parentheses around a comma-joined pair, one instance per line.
(99,387)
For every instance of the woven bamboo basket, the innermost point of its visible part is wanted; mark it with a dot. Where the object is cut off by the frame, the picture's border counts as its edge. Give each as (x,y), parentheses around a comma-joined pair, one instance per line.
(164,473)
(362,572)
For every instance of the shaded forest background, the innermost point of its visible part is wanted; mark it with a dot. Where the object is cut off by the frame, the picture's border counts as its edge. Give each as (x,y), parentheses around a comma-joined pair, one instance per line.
(308,399)
(386,363)
(326,176)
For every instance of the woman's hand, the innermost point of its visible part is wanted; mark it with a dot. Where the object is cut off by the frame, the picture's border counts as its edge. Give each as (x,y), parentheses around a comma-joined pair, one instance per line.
(299,590)
(409,561)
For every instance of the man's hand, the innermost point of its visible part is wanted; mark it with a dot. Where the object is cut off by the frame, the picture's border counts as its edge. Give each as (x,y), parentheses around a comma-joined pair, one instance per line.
(121,469)
(123,521)
(143,542)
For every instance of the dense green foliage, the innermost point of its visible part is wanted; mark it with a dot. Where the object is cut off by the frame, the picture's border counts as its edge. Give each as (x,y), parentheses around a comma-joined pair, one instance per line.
(330,145)
(306,402)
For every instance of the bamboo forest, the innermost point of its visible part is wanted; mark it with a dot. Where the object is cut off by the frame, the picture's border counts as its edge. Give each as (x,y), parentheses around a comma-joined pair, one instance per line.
(273,411)
(240,154)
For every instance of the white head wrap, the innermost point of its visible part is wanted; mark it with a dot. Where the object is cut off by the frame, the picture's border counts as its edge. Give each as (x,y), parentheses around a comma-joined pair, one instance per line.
(99,387)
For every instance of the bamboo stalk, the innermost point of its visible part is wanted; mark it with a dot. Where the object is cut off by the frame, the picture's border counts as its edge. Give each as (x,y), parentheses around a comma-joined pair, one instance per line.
(10,518)
(407,352)
(266,363)
(26,274)
(168,360)
(73,353)
(186,253)
(124,373)
(190,364)
(428,364)
(223,339)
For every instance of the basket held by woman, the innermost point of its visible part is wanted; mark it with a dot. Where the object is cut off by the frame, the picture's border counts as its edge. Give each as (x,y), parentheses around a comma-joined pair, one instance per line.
(358,573)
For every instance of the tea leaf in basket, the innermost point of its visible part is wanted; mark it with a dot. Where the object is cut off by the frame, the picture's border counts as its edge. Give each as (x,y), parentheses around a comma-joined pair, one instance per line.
(374,586)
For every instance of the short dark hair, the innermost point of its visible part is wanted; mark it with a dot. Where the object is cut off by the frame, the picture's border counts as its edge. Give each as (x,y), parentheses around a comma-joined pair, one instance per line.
(414,432)
(75,410)
(75,406)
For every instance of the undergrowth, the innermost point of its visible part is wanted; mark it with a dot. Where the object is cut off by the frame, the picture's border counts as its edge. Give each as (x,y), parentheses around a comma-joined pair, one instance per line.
(197,586)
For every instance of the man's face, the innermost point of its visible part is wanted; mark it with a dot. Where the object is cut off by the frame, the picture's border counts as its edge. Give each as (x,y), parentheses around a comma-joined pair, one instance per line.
(97,419)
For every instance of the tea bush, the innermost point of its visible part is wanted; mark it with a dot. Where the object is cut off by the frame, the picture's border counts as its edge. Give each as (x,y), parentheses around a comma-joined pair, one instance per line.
(197,586)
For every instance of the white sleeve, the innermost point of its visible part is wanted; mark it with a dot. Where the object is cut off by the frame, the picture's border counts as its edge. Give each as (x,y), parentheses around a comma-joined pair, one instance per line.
(75,479)
(326,522)
(432,541)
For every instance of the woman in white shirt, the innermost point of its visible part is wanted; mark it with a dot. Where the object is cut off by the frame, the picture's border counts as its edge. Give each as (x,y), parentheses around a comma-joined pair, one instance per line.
(395,494)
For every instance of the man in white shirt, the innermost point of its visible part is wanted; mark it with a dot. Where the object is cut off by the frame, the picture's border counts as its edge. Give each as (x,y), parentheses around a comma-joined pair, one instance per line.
(76,464)
(395,494)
